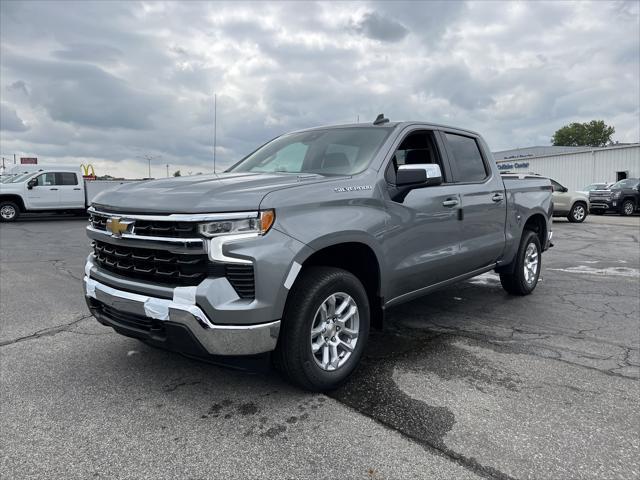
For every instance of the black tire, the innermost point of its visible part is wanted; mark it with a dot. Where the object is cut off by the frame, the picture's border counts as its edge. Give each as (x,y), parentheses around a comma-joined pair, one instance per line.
(516,282)
(597,212)
(628,207)
(293,355)
(6,208)
(578,213)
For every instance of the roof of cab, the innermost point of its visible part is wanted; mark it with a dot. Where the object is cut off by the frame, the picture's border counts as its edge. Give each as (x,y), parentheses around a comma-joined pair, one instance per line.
(392,125)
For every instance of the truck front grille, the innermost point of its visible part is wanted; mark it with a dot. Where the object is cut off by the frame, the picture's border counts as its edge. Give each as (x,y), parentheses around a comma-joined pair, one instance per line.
(160,266)
(154,265)
(149,228)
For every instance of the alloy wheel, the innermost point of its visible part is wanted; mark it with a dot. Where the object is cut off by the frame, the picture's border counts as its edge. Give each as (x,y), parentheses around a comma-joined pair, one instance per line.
(335,330)
(531,259)
(8,212)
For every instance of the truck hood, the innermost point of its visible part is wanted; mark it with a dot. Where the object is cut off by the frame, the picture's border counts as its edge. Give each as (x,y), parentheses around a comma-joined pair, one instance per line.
(11,187)
(224,192)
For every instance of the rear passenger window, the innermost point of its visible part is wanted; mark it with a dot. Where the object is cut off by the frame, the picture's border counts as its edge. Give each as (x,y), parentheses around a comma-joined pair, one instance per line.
(467,158)
(66,178)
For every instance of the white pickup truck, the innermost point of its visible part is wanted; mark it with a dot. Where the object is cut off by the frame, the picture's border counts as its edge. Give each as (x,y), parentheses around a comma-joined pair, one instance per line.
(50,189)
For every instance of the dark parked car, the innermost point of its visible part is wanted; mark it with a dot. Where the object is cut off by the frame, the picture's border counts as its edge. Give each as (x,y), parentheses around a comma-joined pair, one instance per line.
(623,197)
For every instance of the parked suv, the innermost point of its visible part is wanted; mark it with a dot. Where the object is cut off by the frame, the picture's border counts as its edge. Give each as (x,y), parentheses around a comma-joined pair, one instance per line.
(303,245)
(573,205)
(623,197)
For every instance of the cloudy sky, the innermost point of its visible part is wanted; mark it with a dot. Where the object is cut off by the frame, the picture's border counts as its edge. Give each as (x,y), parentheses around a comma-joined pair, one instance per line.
(110,82)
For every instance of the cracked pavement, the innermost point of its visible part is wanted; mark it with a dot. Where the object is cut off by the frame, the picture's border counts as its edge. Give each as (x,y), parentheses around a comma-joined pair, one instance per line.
(465,383)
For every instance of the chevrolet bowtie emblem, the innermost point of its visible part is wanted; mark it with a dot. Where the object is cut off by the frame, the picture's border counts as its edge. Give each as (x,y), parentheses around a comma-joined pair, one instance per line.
(117,227)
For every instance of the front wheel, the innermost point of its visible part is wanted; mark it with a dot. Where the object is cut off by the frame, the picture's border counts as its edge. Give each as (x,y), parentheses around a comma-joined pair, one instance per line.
(9,211)
(324,329)
(528,262)
(627,208)
(578,213)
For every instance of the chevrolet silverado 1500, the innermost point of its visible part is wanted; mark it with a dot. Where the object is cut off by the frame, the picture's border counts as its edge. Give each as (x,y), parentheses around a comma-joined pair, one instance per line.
(301,246)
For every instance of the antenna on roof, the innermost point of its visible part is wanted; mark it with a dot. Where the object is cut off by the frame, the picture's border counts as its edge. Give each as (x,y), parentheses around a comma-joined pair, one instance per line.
(380,120)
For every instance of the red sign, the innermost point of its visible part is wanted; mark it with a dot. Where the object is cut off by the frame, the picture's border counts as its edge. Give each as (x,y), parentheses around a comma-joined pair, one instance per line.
(28,161)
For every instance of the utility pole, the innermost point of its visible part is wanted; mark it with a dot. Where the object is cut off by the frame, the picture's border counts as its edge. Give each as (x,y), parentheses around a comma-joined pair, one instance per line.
(148,158)
(167,170)
(215,122)
(14,158)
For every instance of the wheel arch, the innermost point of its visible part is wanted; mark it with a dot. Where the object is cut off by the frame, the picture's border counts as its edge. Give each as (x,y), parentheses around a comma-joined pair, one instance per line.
(359,258)
(538,224)
(17,199)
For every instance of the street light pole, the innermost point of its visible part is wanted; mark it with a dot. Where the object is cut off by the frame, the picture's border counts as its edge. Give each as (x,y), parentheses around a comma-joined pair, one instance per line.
(215,121)
(148,158)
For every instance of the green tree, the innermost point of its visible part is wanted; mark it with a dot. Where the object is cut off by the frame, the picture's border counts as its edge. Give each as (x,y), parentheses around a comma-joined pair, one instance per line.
(177,173)
(595,133)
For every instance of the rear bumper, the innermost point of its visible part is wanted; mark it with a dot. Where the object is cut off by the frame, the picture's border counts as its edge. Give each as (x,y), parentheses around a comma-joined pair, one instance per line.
(177,324)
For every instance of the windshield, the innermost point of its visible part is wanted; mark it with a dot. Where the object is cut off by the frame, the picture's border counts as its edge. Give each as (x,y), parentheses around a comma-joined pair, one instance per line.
(626,183)
(17,178)
(335,151)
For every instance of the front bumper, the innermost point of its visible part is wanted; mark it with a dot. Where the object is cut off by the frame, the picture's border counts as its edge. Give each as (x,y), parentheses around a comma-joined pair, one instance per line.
(604,204)
(177,324)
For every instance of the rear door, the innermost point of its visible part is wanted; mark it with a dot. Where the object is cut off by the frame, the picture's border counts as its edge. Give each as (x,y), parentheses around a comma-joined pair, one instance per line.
(421,239)
(483,204)
(45,194)
(71,193)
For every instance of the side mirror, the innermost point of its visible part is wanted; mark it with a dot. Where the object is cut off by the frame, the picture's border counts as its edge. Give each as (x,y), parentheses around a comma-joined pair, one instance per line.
(32,183)
(419,175)
(564,190)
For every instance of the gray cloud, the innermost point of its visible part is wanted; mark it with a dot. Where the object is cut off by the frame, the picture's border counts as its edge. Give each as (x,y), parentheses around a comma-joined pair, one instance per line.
(110,81)
(87,52)
(378,27)
(10,121)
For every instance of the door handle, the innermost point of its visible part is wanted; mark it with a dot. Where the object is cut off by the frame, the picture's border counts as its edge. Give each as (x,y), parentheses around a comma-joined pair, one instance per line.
(53,189)
(77,189)
(498,197)
(450,203)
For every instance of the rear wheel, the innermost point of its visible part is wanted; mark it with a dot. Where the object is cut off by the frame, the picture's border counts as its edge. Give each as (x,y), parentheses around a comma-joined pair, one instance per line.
(324,329)
(578,213)
(627,208)
(528,262)
(9,211)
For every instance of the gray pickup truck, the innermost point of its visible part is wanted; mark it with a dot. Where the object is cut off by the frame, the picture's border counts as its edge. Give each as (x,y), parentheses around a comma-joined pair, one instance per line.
(301,246)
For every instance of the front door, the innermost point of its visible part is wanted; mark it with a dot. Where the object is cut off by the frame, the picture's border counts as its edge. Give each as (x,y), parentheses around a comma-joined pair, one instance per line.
(483,206)
(45,194)
(421,239)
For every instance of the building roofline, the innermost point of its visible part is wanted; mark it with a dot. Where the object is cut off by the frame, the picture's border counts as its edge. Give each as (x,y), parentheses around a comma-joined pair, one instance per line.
(588,150)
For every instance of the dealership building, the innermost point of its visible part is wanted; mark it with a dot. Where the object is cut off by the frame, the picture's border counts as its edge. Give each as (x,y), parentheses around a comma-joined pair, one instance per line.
(574,167)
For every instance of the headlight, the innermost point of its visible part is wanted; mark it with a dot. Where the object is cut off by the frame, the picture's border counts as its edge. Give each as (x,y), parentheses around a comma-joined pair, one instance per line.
(616,194)
(259,225)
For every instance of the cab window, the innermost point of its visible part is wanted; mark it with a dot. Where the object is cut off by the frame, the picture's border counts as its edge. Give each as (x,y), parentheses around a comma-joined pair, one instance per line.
(418,147)
(46,179)
(469,165)
(556,186)
(66,178)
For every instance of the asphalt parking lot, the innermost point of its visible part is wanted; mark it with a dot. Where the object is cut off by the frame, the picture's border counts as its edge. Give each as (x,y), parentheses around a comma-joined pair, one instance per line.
(464,383)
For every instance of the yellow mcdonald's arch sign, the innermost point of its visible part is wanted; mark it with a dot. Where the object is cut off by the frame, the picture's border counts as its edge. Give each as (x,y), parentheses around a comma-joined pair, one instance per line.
(85,170)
